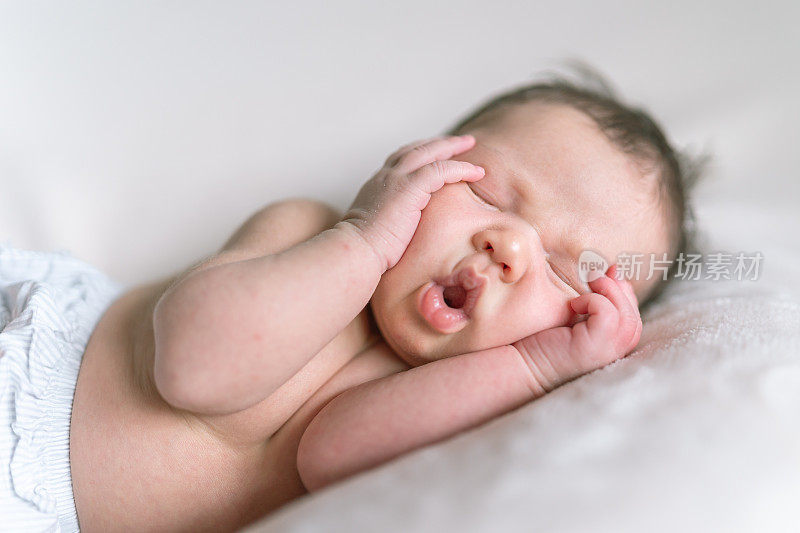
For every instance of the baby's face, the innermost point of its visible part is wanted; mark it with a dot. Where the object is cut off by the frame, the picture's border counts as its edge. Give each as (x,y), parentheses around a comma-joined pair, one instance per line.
(554,186)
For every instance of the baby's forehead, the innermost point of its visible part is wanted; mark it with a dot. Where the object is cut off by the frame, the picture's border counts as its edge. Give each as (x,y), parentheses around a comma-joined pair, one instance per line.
(563,146)
(536,117)
(572,174)
(537,129)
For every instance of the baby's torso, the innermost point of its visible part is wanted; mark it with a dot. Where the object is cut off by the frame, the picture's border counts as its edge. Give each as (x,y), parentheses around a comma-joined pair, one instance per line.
(139,464)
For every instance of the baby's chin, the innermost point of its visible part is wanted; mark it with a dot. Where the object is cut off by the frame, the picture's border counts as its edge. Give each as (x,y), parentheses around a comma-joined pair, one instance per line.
(417,348)
(409,348)
(414,347)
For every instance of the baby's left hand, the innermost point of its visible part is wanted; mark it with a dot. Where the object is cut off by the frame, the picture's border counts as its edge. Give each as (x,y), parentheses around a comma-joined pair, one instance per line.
(612,331)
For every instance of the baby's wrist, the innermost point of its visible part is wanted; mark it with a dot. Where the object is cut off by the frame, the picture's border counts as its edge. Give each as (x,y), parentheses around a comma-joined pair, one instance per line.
(539,381)
(360,242)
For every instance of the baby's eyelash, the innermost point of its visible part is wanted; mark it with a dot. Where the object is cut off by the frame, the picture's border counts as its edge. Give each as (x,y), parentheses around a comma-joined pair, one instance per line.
(557,272)
(481,198)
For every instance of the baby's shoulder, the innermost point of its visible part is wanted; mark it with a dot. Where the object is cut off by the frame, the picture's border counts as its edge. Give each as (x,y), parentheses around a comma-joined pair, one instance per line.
(282,224)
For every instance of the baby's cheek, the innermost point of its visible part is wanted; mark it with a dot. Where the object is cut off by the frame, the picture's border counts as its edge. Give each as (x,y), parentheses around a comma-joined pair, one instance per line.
(562,313)
(539,314)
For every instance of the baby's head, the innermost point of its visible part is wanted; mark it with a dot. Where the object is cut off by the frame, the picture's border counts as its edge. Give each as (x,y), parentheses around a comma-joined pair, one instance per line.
(568,169)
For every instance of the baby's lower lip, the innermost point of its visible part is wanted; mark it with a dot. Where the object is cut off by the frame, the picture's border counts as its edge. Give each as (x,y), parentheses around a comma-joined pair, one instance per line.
(441,317)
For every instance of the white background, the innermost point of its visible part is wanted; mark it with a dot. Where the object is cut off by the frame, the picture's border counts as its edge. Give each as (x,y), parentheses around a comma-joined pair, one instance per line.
(140,135)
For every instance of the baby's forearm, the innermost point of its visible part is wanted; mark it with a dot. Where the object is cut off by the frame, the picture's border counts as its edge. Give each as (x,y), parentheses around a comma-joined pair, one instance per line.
(381,419)
(228,336)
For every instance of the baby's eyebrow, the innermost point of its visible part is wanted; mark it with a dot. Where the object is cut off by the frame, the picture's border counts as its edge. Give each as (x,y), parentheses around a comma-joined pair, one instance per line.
(495,150)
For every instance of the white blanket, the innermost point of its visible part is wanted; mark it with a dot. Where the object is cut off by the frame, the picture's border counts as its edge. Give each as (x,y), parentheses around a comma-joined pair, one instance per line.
(697,430)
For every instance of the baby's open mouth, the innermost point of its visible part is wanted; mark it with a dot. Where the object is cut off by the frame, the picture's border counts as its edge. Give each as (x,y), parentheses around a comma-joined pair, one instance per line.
(455,296)
(446,303)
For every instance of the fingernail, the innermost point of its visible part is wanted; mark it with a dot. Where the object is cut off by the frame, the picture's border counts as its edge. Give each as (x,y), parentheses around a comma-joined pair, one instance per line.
(483,170)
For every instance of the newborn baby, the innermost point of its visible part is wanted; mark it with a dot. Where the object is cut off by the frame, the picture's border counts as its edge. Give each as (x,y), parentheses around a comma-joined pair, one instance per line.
(315,345)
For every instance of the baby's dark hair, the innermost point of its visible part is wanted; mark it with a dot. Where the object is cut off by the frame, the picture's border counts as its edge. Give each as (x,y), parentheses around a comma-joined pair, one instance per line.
(629,128)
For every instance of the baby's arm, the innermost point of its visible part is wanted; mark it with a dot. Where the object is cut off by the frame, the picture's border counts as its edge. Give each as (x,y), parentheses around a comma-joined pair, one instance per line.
(228,334)
(381,419)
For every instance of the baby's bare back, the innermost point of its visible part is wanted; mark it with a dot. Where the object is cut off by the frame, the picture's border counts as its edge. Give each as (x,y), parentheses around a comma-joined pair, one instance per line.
(138,463)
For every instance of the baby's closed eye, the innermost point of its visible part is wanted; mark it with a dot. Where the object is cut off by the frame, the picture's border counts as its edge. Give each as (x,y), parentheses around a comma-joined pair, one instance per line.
(482,197)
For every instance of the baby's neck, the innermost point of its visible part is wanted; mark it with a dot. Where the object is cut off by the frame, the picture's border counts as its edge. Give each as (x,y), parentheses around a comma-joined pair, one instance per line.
(372,333)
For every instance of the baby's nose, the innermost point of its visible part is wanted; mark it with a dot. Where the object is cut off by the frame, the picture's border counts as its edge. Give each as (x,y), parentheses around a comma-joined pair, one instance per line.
(507,248)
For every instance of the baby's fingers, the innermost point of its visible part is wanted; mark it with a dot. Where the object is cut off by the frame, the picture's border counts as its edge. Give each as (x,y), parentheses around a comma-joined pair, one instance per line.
(627,288)
(603,316)
(625,285)
(400,152)
(628,314)
(437,149)
(433,176)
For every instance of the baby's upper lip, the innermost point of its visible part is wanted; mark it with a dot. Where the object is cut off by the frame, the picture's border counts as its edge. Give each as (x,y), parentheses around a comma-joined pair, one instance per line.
(470,280)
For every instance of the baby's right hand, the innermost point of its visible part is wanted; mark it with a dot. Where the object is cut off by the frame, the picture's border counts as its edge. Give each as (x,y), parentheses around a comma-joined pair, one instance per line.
(612,331)
(388,207)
